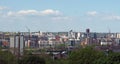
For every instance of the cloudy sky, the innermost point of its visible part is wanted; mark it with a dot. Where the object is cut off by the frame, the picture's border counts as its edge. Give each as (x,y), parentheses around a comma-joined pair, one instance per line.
(60,15)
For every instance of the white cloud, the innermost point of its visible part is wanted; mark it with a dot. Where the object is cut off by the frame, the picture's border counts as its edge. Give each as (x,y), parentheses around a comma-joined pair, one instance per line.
(92,13)
(35,12)
(50,12)
(25,12)
(55,15)
(102,16)
(116,17)
(61,18)
(2,8)
(22,13)
(112,17)
(10,13)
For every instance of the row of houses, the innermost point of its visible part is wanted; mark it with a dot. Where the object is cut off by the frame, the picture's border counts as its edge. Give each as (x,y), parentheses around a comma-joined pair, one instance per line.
(52,39)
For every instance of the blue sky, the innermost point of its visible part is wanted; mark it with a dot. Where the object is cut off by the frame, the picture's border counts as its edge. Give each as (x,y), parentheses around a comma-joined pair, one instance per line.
(60,15)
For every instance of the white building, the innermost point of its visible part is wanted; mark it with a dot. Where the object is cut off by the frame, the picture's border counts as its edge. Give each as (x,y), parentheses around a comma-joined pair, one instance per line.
(106,43)
(118,35)
(16,44)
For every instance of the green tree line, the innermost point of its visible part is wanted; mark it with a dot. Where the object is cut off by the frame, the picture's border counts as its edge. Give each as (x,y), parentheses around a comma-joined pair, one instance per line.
(87,55)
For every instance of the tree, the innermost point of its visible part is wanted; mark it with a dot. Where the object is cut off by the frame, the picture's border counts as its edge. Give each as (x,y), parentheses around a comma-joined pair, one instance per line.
(2,61)
(6,57)
(30,59)
(114,58)
(85,55)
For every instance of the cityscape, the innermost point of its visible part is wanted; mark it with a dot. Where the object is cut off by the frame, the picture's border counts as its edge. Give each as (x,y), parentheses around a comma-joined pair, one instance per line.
(59,32)
(57,42)
(39,40)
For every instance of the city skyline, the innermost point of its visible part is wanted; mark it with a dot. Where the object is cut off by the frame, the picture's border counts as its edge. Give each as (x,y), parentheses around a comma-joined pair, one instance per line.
(60,15)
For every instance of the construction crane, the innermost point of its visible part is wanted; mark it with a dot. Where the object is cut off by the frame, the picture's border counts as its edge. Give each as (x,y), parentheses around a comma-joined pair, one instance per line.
(28,44)
(28,31)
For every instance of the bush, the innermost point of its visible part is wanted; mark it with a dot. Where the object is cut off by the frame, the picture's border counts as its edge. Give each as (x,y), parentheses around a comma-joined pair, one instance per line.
(30,59)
